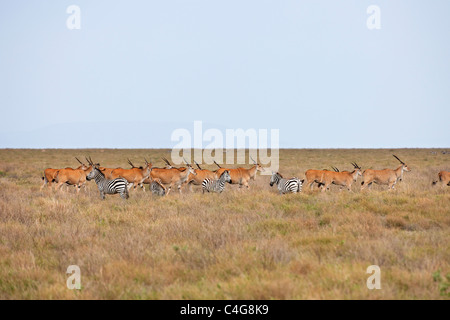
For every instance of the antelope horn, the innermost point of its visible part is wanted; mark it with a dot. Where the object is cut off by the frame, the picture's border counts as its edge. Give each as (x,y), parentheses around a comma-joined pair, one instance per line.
(146,162)
(131,164)
(166,161)
(197,165)
(79,160)
(217,164)
(398,159)
(253,160)
(90,159)
(186,161)
(335,169)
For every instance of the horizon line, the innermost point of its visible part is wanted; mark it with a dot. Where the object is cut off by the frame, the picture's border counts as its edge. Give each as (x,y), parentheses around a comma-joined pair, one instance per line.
(288,148)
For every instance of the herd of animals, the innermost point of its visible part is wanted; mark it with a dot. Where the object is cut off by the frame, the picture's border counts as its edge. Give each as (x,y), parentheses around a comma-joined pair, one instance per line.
(162,180)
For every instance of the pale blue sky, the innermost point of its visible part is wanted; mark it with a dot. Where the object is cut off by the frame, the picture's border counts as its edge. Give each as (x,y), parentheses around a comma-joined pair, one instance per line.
(139,69)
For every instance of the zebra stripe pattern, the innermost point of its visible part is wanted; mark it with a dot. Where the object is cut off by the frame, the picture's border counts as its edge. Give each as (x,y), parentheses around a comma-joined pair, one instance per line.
(105,186)
(292,185)
(157,188)
(216,186)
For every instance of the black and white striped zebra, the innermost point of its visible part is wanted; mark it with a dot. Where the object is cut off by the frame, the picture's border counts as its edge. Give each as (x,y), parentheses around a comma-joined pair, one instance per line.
(292,185)
(157,188)
(105,186)
(217,186)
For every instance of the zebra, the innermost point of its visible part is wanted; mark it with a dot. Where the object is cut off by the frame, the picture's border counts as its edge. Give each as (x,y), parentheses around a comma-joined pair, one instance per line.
(105,186)
(292,185)
(158,188)
(217,186)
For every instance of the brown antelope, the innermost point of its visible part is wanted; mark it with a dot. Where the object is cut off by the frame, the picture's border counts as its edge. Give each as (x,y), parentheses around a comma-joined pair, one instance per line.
(135,176)
(149,180)
(197,178)
(107,172)
(172,177)
(73,177)
(316,176)
(241,176)
(50,174)
(201,175)
(444,178)
(343,179)
(384,177)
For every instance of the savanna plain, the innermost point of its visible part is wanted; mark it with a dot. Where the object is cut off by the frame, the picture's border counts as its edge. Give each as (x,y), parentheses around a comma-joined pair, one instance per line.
(241,244)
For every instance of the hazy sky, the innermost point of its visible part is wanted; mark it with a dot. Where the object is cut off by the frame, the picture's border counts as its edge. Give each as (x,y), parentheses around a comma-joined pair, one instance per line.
(137,70)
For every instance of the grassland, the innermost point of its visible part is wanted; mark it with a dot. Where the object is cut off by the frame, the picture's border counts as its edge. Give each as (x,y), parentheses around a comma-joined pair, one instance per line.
(251,244)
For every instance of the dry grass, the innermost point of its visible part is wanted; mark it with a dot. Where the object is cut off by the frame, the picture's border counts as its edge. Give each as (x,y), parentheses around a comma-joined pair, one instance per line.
(239,245)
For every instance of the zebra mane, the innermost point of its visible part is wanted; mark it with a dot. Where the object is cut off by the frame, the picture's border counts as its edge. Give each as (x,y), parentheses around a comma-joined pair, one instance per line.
(99,171)
(224,173)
